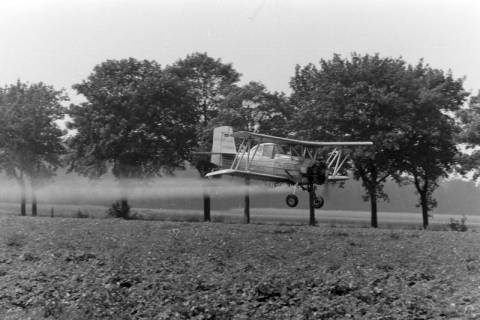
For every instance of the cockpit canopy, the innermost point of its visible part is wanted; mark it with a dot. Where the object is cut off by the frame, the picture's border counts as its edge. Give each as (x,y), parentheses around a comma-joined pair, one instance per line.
(267,150)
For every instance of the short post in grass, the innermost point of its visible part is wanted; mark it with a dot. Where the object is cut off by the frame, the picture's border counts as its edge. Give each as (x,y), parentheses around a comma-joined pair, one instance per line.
(204,166)
(246,210)
(51,212)
(311,199)
(206,202)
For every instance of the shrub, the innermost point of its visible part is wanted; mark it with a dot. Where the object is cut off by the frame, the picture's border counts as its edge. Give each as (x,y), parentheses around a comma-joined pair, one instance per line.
(458,225)
(120,209)
(82,215)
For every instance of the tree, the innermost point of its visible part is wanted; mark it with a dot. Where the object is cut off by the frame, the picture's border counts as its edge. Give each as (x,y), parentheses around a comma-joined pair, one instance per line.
(470,136)
(31,142)
(138,122)
(402,109)
(208,79)
(252,108)
(427,136)
(356,99)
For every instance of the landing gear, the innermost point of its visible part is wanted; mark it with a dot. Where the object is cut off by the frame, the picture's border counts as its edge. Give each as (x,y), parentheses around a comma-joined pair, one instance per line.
(318,202)
(292,200)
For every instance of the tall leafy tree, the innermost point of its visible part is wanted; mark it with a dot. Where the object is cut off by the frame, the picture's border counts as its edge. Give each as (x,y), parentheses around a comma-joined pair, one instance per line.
(31,142)
(208,79)
(470,136)
(353,99)
(427,131)
(401,108)
(138,121)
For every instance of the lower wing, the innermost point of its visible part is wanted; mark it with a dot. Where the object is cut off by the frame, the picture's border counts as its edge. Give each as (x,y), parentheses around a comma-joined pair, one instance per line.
(250,174)
(264,176)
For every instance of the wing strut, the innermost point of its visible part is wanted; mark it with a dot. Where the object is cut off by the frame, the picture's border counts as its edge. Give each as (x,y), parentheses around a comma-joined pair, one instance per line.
(335,161)
(239,156)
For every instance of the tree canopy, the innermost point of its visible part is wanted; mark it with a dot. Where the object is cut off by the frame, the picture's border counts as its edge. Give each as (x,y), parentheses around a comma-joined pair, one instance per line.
(138,120)
(207,80)
(252,108)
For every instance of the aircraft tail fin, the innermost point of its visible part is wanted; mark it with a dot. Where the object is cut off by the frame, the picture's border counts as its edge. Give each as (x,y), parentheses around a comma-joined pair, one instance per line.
(223,144)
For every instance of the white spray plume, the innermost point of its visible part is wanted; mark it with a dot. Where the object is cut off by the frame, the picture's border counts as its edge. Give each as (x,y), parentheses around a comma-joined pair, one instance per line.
(76,189)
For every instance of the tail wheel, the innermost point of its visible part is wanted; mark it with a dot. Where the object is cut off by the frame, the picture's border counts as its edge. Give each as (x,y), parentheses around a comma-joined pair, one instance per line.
(318,202)
(292,200)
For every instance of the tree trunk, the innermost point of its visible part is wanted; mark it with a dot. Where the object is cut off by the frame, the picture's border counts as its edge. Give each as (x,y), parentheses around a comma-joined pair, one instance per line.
(423,192)
(203,169)
(373,209)
(206,206)
(246,211)
(424,205)
(124,202)
(34,203)
(311,197)
(124,208)
(23,198)
(23,203)
(370,182)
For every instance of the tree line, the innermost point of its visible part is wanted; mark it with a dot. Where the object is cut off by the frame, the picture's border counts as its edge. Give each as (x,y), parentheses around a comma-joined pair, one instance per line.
(141,120)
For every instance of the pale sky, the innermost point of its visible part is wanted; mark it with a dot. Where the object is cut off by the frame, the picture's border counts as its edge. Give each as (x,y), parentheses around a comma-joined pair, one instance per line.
(60,41)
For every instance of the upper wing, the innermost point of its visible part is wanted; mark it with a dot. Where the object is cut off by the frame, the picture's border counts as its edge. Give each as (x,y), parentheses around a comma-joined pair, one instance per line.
(266,138)
(253,175)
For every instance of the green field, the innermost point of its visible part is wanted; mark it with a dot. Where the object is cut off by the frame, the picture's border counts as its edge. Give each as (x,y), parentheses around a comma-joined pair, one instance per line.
(64,268)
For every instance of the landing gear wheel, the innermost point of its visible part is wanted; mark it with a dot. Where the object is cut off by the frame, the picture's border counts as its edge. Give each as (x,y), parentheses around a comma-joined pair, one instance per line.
(292,200)
(318,202)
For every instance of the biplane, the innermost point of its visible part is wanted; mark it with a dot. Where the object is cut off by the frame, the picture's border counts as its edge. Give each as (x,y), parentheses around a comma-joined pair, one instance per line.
(299,164)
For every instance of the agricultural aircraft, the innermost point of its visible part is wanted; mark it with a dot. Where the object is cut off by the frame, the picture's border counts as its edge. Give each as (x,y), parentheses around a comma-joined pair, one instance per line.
(297,163)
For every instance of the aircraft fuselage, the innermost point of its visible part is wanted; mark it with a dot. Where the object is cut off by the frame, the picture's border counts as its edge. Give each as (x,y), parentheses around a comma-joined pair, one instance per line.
(268,158)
